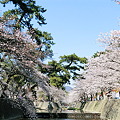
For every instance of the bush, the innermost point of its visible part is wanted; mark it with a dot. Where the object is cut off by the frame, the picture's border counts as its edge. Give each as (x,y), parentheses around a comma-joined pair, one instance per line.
(72,108)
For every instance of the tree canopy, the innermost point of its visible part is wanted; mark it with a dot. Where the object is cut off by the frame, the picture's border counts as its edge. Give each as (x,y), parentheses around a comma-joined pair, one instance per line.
(103,70)
(66,68)
(22,17)
(24,12)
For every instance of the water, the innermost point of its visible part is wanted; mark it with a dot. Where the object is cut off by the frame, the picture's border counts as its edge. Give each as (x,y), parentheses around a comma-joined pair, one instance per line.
(53,119)
(67,116)
(57,119)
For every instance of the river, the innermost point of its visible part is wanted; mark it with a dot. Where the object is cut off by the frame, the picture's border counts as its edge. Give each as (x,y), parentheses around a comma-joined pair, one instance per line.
(58,119)
(67,116)
(52,119)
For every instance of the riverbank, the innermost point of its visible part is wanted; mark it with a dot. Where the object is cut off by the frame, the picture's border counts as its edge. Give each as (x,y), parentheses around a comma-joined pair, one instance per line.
(109,108)
(9,110)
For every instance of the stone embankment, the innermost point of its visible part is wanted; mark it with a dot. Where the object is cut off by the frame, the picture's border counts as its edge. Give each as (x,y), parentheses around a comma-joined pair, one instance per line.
(109,108)
(9,110)
(47,107)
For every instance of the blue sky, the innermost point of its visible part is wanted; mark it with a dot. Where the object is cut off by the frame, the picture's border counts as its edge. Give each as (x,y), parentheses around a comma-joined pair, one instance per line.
(76,24)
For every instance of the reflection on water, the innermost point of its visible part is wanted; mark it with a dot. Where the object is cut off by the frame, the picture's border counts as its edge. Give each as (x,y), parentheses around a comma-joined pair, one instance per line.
(52,119)
(58,119)
(67,116)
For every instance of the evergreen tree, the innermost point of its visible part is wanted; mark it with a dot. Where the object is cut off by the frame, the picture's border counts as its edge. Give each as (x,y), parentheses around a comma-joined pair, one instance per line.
(22,17)
(66,68)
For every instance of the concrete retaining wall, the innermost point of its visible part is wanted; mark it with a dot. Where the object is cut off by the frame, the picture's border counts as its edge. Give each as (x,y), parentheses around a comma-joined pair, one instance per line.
(109,109)
(47,107)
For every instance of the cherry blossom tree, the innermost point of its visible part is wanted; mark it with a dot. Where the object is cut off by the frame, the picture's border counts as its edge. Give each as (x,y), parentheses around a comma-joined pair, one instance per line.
(22,50)
(117,1)
(19,56)
(103,71)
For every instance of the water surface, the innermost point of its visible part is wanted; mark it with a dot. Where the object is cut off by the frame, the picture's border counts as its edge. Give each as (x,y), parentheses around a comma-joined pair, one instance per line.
(51,119)
(58,119)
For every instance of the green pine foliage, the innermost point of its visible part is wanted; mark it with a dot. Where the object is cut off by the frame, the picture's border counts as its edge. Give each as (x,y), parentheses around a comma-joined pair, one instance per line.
(68,67)
(22,16)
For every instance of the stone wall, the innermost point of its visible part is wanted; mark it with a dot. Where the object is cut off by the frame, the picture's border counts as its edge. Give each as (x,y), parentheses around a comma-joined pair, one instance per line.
(47,107)
(109,109)
(9,110)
